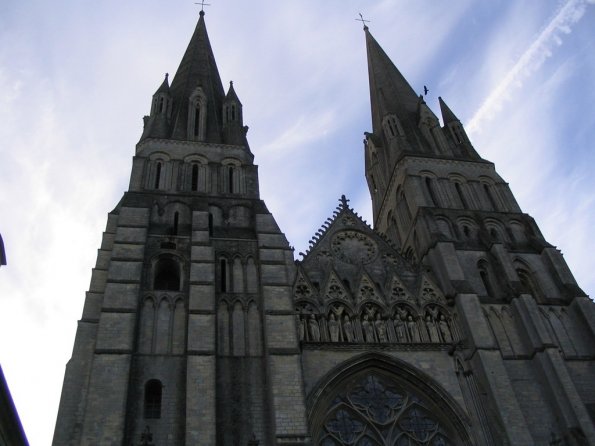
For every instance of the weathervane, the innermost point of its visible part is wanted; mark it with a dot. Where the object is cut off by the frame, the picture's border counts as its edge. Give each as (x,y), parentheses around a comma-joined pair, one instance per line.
(202,5)
(361,19)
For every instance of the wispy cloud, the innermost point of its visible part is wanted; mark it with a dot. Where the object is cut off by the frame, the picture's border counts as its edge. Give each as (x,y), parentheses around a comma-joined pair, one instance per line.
(530,61)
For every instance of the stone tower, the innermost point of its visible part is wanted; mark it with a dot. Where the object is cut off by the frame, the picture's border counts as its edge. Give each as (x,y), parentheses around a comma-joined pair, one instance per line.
(451,322)
(188,331)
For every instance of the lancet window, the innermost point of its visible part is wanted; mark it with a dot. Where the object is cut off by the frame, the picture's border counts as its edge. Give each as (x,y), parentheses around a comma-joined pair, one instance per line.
(197,115)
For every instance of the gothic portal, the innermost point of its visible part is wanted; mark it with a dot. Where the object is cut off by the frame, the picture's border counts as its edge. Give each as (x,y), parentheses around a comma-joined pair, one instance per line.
(451,322)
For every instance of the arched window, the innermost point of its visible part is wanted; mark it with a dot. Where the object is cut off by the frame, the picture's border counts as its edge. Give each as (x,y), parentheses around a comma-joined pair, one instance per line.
(230,179)
(194,177)
(196,120)
(224,279)
(376,408)
(157,175)
(210,224)
(167,275)
(160,104)
(392,127)
(153,393)
(197,111)
(233,112)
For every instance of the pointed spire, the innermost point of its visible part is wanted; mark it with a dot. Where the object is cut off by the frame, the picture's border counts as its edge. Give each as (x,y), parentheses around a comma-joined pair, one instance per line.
(198,69)
(389,90)
(447,114)
(164,88)
(231,94)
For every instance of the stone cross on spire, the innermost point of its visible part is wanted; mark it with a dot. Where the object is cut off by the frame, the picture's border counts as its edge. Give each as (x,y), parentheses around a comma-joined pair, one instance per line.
(361,19)
(202,5)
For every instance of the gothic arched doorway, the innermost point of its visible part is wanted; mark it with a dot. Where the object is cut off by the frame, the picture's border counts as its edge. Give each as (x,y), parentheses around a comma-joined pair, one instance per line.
(381,402)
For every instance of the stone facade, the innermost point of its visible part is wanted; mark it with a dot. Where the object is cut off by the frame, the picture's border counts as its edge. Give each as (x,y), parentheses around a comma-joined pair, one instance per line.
(451,322)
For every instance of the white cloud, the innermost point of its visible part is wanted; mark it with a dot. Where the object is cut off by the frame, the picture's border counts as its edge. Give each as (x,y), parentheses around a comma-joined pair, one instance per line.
(530,61)
(77,79)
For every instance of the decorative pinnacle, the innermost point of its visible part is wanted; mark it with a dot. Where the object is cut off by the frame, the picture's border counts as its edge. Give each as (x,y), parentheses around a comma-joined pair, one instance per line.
(344,201)
(361,19)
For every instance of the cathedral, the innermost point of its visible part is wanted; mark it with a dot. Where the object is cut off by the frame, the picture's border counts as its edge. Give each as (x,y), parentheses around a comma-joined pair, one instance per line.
(451,321)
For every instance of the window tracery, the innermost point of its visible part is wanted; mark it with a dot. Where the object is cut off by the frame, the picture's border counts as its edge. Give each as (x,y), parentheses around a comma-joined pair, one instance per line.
(374,410)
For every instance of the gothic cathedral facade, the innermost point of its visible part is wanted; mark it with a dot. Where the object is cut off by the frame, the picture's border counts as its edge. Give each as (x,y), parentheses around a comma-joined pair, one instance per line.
(451,322)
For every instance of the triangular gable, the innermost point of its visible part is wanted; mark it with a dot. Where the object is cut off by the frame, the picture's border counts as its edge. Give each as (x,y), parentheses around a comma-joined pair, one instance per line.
(367,289)
(334,288)
(398,291)
(343,218)
(302,288)
(429,291)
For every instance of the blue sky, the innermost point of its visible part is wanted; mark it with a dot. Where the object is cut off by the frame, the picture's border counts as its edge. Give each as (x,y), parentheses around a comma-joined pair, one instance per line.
(77,77)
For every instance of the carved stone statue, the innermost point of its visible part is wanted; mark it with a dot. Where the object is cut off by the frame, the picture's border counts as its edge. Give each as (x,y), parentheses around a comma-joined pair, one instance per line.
(432,329)
(348,329)
(400,330)
(412,329)
(380,329)
(368,329)
(444,329)
(333,328)
(314,329)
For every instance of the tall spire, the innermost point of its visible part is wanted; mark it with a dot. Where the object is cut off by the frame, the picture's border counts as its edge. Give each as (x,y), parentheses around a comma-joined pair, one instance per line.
(447,115)
(389,90)
(198,69)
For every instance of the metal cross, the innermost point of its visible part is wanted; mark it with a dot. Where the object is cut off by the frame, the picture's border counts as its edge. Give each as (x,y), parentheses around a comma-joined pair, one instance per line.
(202,5)
(361,19)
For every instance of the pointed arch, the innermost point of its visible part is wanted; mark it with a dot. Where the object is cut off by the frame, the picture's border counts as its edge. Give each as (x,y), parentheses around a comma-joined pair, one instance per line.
(343,407)
(197,115)
(392,127)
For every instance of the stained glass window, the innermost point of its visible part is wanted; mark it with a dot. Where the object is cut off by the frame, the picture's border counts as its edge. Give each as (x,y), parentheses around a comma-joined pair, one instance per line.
(376,411)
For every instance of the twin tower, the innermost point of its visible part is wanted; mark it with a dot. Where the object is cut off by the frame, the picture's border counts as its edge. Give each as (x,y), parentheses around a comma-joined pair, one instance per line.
(451,322)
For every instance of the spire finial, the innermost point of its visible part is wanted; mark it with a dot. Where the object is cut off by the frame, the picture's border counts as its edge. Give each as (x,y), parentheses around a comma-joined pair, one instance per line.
(202,6)
(166,76)
(361,19)
(344,201)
